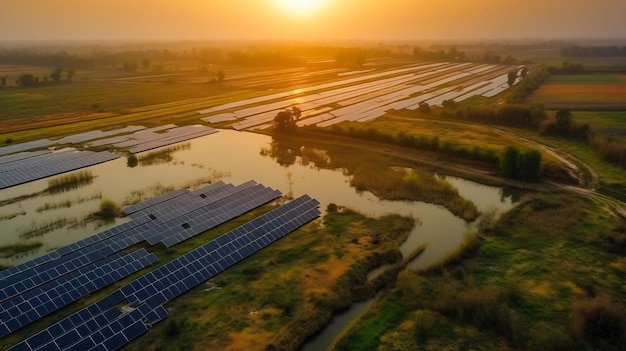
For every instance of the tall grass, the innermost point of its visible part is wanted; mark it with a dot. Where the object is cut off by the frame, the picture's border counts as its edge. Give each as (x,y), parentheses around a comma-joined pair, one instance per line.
(12,215)
(600,320)
(161,156)
(366,334)
(17,249)
(70,181)
(68,202)
(36,230)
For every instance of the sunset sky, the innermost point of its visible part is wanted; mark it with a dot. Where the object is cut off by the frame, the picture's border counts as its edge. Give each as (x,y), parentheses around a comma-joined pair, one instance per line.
(326,20)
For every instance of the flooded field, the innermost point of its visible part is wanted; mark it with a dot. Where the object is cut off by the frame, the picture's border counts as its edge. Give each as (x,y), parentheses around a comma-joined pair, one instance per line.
(35,220)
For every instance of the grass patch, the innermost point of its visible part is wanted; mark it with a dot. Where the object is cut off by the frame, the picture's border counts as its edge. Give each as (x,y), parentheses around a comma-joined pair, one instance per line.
(284,293)
(41,229)
(12,215)
(69,181)
(365,335)
(8,251)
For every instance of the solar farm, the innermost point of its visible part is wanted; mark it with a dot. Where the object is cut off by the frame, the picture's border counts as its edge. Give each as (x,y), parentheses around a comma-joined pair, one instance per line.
(40,287)
(366,95)
(18,165)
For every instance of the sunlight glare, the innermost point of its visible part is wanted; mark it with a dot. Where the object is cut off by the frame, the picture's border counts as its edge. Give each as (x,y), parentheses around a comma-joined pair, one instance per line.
(300,7)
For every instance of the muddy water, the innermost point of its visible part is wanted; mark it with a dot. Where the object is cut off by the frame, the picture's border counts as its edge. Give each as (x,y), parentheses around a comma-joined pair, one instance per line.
(233,157)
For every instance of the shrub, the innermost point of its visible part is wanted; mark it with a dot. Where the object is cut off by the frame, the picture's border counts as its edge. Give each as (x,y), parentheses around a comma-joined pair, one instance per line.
(544,337)
(109,209)
(598,319)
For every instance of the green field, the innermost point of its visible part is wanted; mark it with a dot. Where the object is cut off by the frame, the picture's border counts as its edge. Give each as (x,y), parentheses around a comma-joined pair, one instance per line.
(548,276)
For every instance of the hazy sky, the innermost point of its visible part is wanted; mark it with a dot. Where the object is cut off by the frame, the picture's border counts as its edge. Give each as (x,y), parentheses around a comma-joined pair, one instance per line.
(333,19)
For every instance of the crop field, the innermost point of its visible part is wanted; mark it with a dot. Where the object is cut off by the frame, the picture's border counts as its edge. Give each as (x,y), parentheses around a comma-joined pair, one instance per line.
(583,92)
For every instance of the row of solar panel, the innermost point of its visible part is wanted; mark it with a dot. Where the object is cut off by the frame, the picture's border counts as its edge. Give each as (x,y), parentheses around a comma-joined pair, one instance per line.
(136,135)
(153,201)
(25,174)
(180,274)
(214,214)
(177,206)
(53,265)
(36,303)
(166,139)
(35,144)
(157,287)
(139,220)
(166,211)
(44,273)
(22,156)
(214,257)
(91,317)
(71,139)
(212,219)
(103,247)
(96,134)
(46,160)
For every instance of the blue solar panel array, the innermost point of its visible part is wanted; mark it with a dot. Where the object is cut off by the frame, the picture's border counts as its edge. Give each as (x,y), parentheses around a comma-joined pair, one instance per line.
(35,303)
(101,326)
(22,156)
(35,144)
(153,201)
(143,227)
(57,256)
(33,168)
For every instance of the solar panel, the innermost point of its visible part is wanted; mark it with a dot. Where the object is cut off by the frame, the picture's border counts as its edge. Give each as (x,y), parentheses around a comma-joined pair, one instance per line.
(50,164)
(68,288)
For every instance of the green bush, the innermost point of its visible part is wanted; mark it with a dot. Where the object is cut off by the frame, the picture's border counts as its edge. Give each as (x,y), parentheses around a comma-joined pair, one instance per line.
(109,209)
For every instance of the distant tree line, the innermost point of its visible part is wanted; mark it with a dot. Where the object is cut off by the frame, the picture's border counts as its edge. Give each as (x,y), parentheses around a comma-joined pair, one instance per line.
(593,51)
(567,68)
(510,115)
(414,141)
(83,60)
(44,59)
(28,80)
(452,54)
(513,163)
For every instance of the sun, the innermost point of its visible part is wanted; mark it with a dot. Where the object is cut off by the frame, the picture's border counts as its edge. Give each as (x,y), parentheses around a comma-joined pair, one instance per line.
(300,7)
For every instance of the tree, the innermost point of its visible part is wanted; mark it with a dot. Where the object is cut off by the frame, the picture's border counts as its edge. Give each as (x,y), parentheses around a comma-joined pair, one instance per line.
(56,75)
(450,104)
(69,74)
(296,112)
(424,107)
(285,120)
(511,77)
(109,209)
(508,161)
(563,120)
(3,81)
(221,76)
(532,164)
(27,80)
